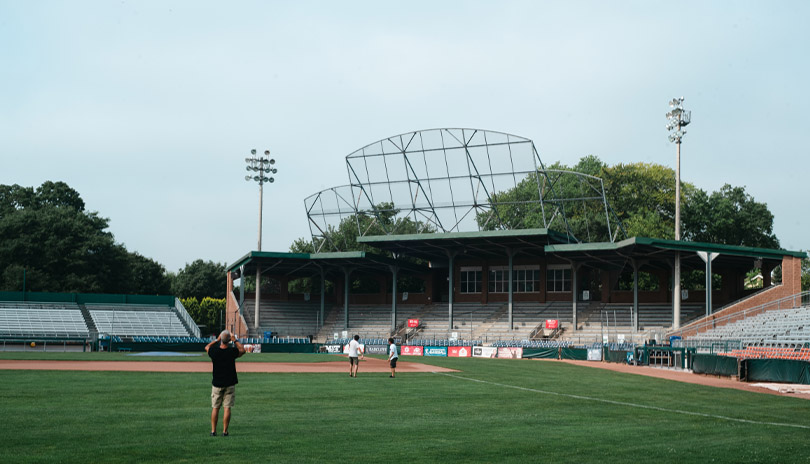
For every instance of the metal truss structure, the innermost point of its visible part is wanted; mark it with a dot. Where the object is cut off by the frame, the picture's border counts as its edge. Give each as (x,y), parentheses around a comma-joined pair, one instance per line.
(456,180)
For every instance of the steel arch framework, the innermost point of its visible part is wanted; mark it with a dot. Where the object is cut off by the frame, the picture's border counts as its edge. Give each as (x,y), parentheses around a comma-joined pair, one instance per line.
(455,180)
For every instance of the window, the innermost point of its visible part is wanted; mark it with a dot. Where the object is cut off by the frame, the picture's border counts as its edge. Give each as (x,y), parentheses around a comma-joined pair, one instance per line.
(525,279)
(470,280)
(558,279)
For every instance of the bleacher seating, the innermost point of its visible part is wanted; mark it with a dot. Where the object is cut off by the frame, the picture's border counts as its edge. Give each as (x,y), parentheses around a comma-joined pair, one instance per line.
(134,320)
(275,340)
(533,343)
(162,339)
(295,319)
(784,328)
(19,319)
(762,352)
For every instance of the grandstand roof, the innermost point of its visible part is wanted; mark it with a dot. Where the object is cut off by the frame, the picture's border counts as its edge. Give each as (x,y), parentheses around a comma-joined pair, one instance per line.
(537,242)
(658,252)
(481,245)
(307,264)
(649,252)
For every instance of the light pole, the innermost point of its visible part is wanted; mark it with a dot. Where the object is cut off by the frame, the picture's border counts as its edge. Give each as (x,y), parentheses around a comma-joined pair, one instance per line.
(260,165)
(678,119)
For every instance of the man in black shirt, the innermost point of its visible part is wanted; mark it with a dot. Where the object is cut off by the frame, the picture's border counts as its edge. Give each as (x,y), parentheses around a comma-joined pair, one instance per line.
(223,386)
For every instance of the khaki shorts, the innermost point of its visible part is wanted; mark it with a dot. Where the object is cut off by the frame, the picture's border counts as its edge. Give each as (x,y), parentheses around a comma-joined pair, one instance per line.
(222,396)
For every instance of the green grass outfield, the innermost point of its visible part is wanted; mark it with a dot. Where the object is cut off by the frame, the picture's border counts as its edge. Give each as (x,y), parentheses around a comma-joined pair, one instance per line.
(492,411)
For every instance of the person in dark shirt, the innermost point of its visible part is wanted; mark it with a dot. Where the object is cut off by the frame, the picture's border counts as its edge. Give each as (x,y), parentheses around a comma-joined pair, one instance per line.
(223,386)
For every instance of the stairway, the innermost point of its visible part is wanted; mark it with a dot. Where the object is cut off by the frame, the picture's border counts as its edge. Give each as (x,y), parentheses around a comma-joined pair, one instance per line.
(183,321)
(483,329)
(88,319)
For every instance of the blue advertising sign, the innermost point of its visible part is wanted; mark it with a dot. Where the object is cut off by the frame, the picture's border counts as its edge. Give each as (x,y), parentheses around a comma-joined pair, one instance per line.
(435,351)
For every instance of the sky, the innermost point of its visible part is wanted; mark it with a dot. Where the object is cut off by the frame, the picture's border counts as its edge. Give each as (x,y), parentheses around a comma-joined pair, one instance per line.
(149,108)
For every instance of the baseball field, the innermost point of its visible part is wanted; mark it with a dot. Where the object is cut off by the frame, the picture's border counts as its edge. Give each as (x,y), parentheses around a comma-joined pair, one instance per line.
(476,410)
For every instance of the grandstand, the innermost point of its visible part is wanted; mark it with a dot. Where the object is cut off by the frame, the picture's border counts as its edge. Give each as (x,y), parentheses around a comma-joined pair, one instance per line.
(137,320)
(77,321)
(49,320)
(429,206)
(778,328)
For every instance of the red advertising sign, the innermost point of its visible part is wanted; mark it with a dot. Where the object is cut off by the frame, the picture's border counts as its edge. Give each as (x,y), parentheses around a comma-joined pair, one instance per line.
(459,351)
(552,323)
(412,350)
(413,322)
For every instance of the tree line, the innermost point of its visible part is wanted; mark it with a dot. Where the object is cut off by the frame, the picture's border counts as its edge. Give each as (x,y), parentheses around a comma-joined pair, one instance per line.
(49,242)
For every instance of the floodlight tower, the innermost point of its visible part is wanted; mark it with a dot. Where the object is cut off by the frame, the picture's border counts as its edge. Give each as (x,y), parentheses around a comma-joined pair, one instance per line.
(261,165)
(678,119)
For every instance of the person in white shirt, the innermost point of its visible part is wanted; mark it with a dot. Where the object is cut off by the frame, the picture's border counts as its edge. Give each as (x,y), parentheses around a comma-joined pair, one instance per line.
(355,354)
(392,357)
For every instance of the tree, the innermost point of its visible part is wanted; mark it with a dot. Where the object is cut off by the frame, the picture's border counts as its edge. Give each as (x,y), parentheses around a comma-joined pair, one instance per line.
(207,313)
(344,236)
(805,274)
(729,216)
(562,191)
(147,276)
(200,279)
(64,248)
(642,196)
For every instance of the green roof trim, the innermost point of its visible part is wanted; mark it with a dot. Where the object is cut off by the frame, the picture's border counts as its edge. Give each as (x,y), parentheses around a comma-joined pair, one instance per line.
(338,255)
(677,245)
(313,257)
(370,239)
(265,254)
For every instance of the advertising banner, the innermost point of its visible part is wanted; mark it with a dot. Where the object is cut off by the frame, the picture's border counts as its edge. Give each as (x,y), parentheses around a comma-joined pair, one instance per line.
(435,351)
(459,351)
(334,349)
(412,350)
(484,351)
(510,352)
(594,354)
(251,348)
(413,323)
(552,323)
(376,349)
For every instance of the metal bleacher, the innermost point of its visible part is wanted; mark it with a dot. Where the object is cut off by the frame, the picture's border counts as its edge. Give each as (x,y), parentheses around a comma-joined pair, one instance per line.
(18,319)
(789,328)
(137,320)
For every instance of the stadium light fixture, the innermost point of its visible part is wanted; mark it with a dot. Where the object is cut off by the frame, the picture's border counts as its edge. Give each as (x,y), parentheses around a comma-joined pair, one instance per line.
(678,118)
(262,166)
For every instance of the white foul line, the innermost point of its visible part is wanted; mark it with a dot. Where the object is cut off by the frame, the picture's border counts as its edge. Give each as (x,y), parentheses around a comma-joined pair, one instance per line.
(632,405)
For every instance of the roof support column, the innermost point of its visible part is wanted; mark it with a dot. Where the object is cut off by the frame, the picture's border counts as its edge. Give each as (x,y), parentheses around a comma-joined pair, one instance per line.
(634,263)
(323,298)
(258,296)
(511,254)
(574,278)
(451,255)
(394,272)
(346,275)
(241,288)
(708,257)
(676,292)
